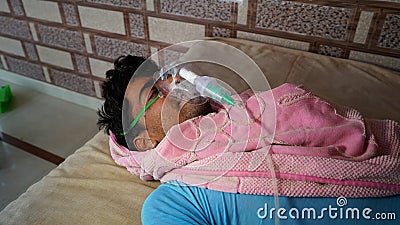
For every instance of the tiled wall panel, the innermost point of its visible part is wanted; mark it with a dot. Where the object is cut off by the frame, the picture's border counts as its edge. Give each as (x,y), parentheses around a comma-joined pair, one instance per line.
(55,57)
(14,27)
(331,51)
(363,27)
(134,4)
(136,25)
(59,37)
(4,6)
(73,82)
(170,31)
(31,51)
(88,43)
(390,35)
(387,61)
(71,14)
(11,46)
(150,5)
(3,62)
(17,8)
(112,48)
(101,19)
(25,68)
(201,9)
(72,43)
(44,10)
(242,12)
(33,31)
(221,32)
(300,18)
(82,63)
(99,66)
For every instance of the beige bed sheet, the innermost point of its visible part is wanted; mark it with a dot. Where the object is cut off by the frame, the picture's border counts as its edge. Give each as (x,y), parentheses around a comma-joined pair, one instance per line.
(89,188)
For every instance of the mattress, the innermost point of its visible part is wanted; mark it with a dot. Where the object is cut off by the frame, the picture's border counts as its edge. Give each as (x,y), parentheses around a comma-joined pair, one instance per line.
(89,188)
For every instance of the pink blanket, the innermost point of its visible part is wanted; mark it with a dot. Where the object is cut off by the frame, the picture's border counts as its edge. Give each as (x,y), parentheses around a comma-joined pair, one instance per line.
(285,140)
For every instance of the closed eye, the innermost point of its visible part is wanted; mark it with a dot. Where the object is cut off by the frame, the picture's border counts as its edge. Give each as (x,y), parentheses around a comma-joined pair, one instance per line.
(153,93)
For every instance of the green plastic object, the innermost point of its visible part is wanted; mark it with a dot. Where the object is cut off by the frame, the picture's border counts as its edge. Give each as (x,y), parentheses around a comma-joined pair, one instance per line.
(217,93)
(5,98)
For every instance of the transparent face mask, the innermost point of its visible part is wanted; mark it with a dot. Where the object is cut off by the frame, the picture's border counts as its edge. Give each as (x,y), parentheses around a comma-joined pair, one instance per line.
(162,85)
(159,80)
(170,85)
(164,82)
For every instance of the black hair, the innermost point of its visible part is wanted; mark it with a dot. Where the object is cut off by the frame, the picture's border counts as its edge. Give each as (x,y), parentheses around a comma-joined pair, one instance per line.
(113,92)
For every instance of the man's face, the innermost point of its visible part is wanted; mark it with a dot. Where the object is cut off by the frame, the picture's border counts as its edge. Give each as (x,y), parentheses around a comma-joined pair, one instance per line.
(161,115)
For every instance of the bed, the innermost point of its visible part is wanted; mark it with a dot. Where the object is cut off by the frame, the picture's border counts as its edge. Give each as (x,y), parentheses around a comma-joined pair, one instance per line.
(89,188)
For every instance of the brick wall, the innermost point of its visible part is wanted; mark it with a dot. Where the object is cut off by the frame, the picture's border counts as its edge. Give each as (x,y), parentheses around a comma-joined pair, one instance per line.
(71,43)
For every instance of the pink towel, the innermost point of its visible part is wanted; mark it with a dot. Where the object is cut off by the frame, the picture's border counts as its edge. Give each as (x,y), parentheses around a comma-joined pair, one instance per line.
(315,148)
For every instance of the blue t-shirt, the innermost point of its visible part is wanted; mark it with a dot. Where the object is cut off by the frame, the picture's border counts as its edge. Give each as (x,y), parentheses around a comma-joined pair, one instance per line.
(177,203)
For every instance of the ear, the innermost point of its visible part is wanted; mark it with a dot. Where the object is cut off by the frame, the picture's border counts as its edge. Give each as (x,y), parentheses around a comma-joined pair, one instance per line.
(142,142)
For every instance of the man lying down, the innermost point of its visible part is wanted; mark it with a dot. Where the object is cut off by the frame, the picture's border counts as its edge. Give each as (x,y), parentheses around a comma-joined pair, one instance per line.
(323,165)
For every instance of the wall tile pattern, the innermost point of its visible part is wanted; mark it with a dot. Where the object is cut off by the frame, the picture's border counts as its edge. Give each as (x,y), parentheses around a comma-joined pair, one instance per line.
(112,48)
(60,37)
(79,39)
(136,24)
(55,57)
(17,7)
(363,26)
(221,32)
(14,27)
(31,51)
(101,19)
(331,51)
(97,88)
(308,19)
(72,82)
(33,31)
(169,56)
(25,68)
(390,62)
(134,4)
(99,66)
(11,46)
(3,62)
(171,31)
(201,9)
(46,74)
(43,10)
(390,35)
(71,15)
(4,6)
(82,63)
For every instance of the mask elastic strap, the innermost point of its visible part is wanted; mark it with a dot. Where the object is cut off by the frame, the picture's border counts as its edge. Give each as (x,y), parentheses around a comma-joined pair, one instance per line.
(134,122)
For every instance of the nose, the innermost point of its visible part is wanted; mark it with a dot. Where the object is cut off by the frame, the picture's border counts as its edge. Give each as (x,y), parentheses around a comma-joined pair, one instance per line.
(165,85)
